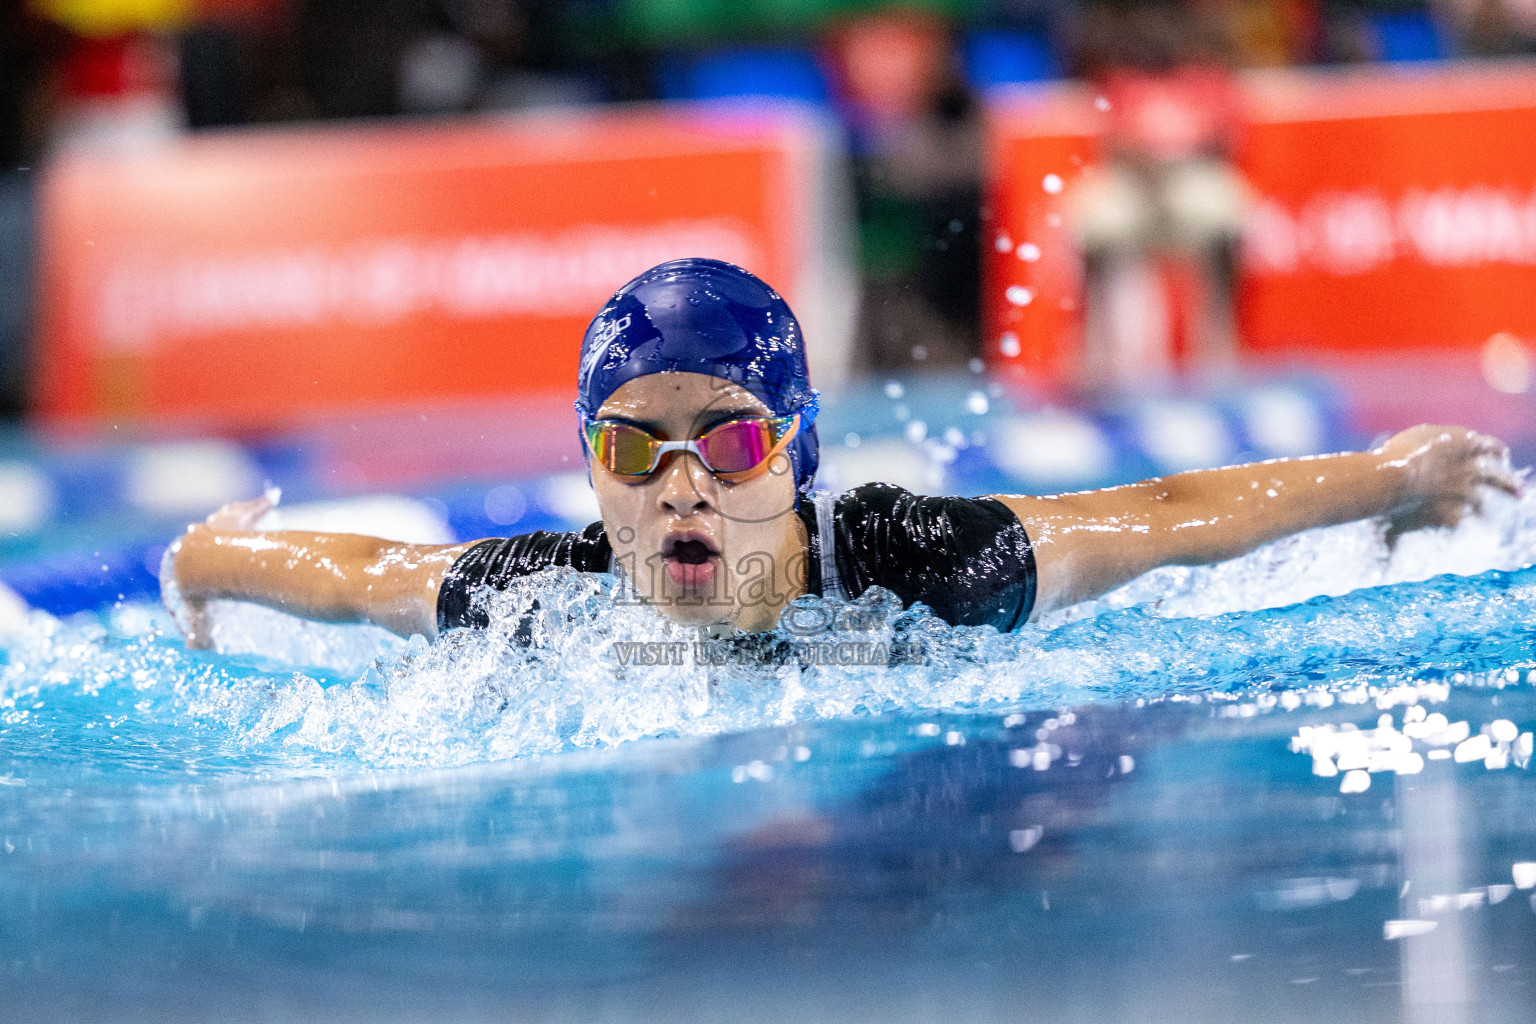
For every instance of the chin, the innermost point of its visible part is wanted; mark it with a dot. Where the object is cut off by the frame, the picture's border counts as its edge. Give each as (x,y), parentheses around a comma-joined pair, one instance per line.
(694,613)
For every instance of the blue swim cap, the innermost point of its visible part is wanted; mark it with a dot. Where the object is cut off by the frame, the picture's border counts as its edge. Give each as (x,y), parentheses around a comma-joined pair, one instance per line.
(703,316)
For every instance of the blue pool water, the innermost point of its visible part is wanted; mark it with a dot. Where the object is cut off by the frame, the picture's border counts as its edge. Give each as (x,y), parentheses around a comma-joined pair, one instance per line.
(1219,794)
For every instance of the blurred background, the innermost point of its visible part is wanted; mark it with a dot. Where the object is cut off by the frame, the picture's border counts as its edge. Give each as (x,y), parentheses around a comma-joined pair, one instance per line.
(350,247)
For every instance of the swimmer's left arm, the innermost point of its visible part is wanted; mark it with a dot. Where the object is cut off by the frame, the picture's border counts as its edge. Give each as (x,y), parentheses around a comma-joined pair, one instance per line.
(1091,542)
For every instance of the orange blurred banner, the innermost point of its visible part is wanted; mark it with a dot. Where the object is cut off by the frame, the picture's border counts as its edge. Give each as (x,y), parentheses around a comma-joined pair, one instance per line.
(252,279)
(1392,210)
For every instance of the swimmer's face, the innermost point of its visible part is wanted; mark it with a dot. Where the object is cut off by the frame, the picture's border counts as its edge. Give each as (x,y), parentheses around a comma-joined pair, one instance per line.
(702,549)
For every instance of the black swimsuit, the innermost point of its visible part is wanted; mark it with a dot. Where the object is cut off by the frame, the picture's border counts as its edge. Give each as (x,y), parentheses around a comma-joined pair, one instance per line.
(968,559)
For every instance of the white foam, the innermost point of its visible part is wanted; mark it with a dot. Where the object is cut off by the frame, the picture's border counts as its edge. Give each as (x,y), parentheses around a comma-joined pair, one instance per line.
(14,612)
(483,695)
(1330,561)
(26,497)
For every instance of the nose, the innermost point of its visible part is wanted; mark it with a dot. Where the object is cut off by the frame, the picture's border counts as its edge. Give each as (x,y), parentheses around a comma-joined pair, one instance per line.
(686,486)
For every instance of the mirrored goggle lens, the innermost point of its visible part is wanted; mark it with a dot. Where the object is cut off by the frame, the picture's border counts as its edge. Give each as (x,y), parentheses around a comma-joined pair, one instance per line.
(740,445)
(623,449)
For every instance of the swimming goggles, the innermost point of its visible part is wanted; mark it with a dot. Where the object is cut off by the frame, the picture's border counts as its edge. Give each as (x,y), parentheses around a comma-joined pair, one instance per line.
(736,450)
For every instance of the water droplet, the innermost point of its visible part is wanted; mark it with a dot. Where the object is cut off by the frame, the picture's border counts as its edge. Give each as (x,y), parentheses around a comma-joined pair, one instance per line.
(1019,295)
(976,404)
(1507,364)
(1004,243)
(1009,345)
(505,505)
(894,390)
(1052,183)
(1029,252)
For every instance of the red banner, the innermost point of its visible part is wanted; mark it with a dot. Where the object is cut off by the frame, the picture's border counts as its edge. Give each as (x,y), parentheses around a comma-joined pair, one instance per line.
(254,278)
(1392,210)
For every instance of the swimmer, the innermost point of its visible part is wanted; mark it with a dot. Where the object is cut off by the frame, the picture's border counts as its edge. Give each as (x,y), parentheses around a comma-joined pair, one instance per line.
(698,422)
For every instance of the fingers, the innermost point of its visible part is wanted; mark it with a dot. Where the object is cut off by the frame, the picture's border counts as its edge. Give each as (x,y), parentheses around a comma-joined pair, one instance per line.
(1489,466)
(196,625)
(1493,469)
(1501,482)
(196,634)
(1487,444)
(1456,469)
(244,515)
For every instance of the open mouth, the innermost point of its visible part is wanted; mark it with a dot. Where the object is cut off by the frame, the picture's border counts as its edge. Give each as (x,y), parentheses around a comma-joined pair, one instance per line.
(688,548)
(692,561)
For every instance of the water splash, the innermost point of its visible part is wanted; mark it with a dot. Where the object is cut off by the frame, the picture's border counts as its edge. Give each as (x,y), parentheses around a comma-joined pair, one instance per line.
(1332,561)
(1267,620)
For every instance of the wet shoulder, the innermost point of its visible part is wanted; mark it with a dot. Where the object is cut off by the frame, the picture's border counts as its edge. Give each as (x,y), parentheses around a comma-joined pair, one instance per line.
(968,559)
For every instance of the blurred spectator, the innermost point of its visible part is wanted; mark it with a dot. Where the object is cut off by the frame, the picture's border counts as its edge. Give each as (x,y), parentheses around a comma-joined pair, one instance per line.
(371,57)
(1165,199)
(263,60)
(118,91)
(350,52)
(1495,28)
(1391,31)
(120,70)
(17,236)
(917,139)
(238,64)
(113,80)
(28,47)
(1270,33)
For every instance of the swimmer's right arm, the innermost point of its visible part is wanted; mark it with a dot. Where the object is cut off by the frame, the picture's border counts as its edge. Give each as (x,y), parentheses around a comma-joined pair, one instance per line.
(329,577)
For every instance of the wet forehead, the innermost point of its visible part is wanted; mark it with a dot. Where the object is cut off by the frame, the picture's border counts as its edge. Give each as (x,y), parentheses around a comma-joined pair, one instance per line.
(680,400)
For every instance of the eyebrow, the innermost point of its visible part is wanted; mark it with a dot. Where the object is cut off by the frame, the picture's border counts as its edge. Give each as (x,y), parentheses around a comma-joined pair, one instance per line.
(726,415)
(723,416)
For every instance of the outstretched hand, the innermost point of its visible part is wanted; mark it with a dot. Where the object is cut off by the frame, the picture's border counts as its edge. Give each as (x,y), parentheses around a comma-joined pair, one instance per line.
(244,515)
(1446,471)
(191,613)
